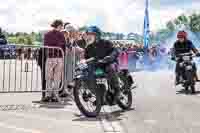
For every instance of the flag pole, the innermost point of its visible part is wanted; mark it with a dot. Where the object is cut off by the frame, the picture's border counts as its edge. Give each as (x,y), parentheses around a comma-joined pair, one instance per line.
(146,30)
(146,33)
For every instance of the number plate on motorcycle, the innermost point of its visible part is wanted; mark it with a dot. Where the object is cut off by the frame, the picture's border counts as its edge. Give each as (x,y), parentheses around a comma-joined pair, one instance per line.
(188,67)
(101,81)
(186,58)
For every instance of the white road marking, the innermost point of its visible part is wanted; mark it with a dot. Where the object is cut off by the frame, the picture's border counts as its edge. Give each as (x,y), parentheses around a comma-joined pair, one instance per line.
(107,127)
(4,125)
(150,121)
(111,126)
(50,119)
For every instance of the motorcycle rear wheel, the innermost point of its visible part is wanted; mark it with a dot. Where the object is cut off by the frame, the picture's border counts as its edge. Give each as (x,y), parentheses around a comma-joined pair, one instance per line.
(126,105)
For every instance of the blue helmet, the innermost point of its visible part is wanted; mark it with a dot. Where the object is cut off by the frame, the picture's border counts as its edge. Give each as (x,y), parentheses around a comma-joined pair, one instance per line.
(94,29)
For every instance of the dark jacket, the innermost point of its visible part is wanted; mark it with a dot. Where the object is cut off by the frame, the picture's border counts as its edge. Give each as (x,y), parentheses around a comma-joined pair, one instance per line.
(54,39)
(3,40)
(81,43)
(184,47)
(101,49)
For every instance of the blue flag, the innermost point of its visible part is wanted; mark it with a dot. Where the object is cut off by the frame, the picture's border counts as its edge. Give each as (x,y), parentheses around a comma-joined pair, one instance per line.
(146,27)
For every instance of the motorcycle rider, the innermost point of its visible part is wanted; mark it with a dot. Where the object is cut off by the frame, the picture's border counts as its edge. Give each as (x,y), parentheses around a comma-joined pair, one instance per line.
(183,45)
(101,49)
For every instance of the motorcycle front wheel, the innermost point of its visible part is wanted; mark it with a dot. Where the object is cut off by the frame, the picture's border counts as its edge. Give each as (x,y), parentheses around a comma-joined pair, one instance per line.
(125,102)
(83,96)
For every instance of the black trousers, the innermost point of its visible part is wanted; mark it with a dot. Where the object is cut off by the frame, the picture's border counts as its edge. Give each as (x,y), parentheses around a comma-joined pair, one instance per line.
(41,60)
(113,76)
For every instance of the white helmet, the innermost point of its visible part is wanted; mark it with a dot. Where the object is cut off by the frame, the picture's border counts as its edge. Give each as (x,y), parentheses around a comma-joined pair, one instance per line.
(70,28)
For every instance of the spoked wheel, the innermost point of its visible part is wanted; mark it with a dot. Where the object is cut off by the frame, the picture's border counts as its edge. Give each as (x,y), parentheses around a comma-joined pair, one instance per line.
(191,81)
(87,101)
(125,102)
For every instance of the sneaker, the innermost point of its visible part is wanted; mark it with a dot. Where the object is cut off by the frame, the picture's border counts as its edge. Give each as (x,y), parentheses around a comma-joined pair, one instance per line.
(46,99)
(54,99)
(63,94)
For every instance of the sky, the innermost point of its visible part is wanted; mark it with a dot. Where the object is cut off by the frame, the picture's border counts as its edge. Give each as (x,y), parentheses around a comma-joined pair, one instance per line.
(110,15)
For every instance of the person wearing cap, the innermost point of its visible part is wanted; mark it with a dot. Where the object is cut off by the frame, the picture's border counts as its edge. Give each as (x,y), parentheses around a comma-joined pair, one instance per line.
(73,50)
(183,45)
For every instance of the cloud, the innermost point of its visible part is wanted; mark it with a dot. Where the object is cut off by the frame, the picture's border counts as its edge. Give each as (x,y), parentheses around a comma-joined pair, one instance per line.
(110,15)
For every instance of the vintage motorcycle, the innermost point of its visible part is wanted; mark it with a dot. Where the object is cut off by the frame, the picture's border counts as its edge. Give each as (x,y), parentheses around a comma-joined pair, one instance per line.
(98,91)
(188,76)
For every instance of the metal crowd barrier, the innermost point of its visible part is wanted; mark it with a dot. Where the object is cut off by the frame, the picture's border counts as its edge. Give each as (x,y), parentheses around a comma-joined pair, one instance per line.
(72,56)
(23,68)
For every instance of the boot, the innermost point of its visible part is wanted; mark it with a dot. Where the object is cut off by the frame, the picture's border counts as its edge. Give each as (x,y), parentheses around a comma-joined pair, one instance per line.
(177,82)
(117,96)
(46,99)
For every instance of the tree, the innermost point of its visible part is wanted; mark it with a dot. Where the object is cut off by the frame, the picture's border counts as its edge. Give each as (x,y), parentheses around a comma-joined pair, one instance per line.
(38,37)
(171,26)
(194,22)
(84,28)
(18,34)
(29,40)
(20,40)
(183,19)
(177,22)
(121,36)
(12,40)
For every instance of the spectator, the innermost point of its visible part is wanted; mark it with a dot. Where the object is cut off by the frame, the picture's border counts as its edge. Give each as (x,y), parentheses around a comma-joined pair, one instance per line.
(73,50)
(41,61)
(54,63)
(82,41)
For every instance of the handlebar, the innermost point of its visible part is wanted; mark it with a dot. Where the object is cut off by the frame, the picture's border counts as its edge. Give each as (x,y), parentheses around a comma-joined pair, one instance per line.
(93,59)
(184,54)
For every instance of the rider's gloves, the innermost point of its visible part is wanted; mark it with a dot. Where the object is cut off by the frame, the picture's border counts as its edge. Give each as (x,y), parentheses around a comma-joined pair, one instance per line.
(82,61)
(102,61)
(108,59)
(198,54)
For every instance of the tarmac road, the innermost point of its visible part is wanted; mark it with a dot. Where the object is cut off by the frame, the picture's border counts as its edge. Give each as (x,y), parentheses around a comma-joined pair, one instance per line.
(158,108)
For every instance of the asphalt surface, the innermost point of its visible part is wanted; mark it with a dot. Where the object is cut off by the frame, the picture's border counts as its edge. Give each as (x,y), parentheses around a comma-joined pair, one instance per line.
(158,107)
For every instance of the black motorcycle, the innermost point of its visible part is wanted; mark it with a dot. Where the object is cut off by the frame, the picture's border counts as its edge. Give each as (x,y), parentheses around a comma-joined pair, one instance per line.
(188,76)
(98,91)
